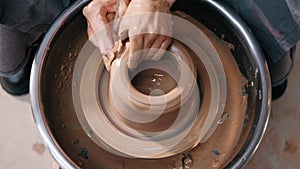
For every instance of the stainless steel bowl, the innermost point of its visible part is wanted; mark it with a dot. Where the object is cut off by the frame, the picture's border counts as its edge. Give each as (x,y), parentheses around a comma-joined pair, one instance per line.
(51,78)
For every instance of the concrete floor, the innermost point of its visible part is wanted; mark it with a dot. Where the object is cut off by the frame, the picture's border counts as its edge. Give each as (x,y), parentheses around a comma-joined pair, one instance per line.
(280,146)
(21,145)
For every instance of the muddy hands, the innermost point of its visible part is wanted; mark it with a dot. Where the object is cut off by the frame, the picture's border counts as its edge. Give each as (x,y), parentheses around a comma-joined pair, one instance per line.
(147,24)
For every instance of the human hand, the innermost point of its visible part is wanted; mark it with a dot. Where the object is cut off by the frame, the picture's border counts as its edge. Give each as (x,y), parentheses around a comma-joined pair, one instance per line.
(100,33)
(149,29)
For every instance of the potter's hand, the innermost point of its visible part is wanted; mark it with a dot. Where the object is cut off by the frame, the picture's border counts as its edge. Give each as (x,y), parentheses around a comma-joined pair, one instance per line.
(99,32)
(149,26)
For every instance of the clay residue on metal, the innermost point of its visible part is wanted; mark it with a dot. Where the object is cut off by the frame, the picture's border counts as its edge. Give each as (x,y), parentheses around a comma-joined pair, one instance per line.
(216,152)
(227,135)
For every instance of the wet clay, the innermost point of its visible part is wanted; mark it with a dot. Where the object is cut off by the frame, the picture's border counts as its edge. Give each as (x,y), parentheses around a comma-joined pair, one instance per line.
(123,107)
(219,150)
(136,22)
(150,80)
(216,152)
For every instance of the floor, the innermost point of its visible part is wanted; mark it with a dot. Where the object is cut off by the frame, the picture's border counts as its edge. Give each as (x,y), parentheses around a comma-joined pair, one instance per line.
(21,145)
(280,148)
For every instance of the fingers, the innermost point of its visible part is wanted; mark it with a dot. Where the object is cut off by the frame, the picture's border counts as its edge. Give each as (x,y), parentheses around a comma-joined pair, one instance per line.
(135,51)
(90,34)
(147,47)
(148,42)
(158,48)
(123,5)
(149,39)
(163,47)
(101,35)
(120,12)
(95,12)
(98,29)
(148,17)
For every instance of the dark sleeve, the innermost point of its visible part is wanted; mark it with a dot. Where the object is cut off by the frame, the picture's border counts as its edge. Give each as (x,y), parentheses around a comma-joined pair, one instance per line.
(276,24)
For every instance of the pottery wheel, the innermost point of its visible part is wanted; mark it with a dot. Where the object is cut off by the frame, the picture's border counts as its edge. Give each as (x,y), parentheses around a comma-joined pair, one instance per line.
(112,122)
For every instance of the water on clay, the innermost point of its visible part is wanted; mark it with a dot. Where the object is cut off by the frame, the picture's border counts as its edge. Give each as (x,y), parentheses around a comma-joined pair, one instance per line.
(216,152)
(150,80)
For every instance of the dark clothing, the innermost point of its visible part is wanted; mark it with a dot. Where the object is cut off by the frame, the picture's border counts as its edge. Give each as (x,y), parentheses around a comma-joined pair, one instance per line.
(30,16)
(276,24)
(21,23)
(13,46)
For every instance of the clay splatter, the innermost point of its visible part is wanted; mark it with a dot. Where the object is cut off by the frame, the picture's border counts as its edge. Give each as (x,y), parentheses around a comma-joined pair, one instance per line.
(39,148)
(290,147)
